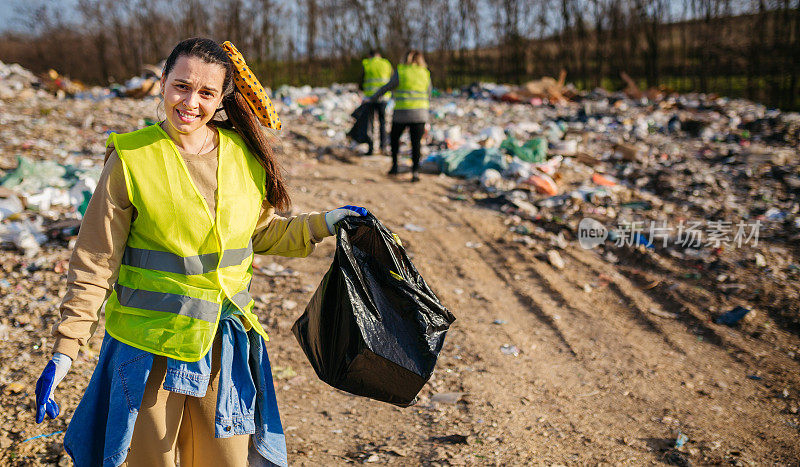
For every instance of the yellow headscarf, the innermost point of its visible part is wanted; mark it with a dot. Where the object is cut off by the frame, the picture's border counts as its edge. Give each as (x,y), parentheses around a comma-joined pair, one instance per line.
(252,90)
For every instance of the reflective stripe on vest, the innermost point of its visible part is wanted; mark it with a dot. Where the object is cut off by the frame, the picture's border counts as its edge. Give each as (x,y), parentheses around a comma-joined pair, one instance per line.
(181,262)
(189,265)
(242,298)
(377,72)
(412,92)
(167,302)
(196,308)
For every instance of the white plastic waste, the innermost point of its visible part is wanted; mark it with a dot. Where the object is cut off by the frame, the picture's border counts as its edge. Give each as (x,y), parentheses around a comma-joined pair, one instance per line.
(25,235)
(47,198)
(493,136)
(10,206)
(566,147)
(490,178)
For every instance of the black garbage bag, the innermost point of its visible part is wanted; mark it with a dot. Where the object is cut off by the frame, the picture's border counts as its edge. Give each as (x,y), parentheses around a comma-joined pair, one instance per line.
(360,131)
(373,327)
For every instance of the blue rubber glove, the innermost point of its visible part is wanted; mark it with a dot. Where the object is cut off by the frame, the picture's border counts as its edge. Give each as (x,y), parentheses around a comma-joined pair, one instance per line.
(55,370)
(332,217)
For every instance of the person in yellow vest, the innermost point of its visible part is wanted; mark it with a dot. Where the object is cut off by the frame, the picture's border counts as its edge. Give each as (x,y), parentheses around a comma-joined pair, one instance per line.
(167,242)
(377,71)
(411,84)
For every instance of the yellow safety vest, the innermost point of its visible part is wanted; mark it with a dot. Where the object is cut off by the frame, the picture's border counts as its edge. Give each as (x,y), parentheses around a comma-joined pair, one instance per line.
(180,264)
(377,72)
(412,92)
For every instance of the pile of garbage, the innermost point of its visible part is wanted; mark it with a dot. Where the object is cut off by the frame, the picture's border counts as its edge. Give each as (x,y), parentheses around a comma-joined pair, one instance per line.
(40,190)
(17,82)
(604,151)
(536,92)
(14,79)
(51,156)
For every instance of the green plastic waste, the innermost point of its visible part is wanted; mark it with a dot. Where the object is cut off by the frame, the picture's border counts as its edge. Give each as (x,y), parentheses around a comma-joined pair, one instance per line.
(34,176)
(471,163)
(534,151)
(87,196)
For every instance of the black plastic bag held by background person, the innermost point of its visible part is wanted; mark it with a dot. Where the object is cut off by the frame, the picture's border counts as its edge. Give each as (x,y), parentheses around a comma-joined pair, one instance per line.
(360,131)
(373,327)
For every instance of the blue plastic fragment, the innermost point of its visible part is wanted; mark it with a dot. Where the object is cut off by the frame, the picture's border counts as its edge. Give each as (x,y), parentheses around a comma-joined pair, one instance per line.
(41,436)
(639,239)
(732,317)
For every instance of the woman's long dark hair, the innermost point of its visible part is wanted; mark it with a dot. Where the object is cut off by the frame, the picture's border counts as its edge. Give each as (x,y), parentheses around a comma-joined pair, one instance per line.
(240,116)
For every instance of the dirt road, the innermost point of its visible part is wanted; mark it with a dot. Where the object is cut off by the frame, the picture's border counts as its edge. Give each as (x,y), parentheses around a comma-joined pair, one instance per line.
(592,363)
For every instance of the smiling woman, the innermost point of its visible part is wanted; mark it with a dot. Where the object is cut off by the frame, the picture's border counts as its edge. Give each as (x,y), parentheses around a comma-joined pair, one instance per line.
(192,93)
(168,239)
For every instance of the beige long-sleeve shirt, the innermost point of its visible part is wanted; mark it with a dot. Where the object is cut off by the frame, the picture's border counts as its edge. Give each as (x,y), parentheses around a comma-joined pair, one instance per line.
(94,265)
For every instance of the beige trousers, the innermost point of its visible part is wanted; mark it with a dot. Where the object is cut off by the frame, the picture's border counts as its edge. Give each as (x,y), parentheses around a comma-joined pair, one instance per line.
(168,420)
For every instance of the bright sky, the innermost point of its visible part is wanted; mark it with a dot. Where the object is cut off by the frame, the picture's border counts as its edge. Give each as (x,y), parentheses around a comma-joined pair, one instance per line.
(6,14)
(9,14)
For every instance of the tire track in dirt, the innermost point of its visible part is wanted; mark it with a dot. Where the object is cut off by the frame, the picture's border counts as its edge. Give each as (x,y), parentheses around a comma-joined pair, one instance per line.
(682,299)
(502,268)
(631,298)
(596,329)
(740,348)
(683,311)
(636,300)
(596,325)
(587,430)
(693,318)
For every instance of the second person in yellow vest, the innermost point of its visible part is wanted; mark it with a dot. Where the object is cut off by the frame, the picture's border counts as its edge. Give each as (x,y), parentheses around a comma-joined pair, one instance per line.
(411,84)
(377,71)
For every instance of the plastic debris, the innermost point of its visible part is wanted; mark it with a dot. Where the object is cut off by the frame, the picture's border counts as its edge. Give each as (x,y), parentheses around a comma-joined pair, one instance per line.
(534,150)
(413,227)
(471,163)
(10,206)
(509,349)
(42,436)
(732,317)
(447,397)
(25,235)
(681,440)
(542,183)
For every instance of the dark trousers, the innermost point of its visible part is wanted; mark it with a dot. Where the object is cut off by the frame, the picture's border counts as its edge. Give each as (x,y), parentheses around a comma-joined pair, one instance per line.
(416,130)
(380,109)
